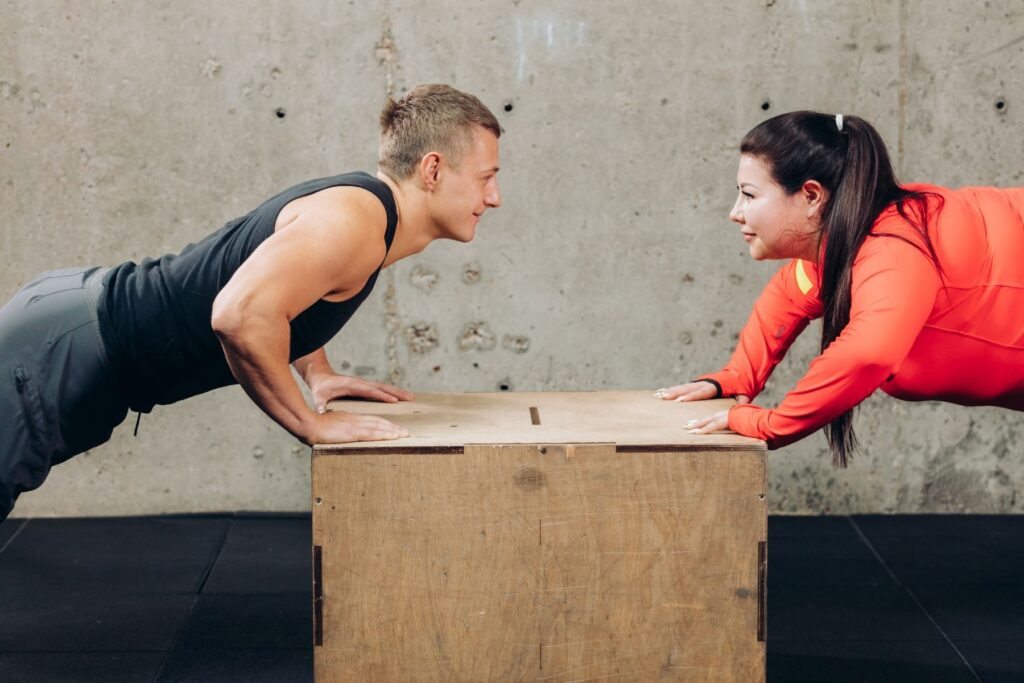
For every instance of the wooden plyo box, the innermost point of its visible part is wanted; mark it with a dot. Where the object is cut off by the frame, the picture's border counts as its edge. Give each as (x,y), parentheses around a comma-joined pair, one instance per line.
(540,537)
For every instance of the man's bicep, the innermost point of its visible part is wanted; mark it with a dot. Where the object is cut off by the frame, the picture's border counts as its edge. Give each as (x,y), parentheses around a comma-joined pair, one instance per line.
(314,256)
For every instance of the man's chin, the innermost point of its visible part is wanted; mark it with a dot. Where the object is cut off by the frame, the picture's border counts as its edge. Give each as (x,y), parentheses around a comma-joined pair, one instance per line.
(463,237)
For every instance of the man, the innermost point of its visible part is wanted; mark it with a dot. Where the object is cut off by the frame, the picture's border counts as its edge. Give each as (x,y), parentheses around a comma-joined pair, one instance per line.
(81,347)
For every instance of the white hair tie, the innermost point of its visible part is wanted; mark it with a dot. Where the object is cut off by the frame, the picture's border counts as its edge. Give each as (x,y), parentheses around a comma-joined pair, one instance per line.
(839,122)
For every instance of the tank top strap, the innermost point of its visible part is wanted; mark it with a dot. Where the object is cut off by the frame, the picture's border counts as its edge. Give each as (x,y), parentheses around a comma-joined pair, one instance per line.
(382,191)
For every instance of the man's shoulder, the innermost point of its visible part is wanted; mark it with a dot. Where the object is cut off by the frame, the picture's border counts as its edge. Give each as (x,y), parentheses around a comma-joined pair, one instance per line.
(347,205)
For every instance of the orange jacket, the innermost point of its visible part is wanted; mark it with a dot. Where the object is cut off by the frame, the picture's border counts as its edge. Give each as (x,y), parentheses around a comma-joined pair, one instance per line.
(918,336)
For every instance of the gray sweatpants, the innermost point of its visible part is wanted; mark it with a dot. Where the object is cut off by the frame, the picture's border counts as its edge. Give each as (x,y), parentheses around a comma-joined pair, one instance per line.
(58,395)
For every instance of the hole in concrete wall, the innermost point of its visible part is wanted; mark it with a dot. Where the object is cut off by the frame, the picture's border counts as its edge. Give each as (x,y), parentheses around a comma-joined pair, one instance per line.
(1001,104)
(766,105)
(471,272)
(508,105)
(505,385)
(279,112)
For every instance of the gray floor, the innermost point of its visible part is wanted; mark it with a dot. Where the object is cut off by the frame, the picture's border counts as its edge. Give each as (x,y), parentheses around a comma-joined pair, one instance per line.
(227,598)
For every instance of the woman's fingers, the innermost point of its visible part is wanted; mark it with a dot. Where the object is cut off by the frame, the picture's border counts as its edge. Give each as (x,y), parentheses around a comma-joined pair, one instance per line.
(691,391)
(712,423)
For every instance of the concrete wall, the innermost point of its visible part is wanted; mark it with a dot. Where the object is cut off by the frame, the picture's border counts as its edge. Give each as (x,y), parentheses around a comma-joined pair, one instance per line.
(128,129)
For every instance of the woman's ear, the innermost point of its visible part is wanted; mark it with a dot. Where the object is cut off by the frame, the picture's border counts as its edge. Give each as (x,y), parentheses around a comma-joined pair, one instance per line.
(815,197)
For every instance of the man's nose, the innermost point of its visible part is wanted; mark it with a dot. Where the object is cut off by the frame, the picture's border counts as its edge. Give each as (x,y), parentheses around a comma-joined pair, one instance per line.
(493,198)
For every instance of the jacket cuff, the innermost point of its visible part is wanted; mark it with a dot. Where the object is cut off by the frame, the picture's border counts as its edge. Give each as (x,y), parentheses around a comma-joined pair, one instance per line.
(727,383)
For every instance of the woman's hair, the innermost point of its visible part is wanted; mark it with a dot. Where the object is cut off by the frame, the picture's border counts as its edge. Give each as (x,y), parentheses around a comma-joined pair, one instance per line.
(853,166)
(429,118)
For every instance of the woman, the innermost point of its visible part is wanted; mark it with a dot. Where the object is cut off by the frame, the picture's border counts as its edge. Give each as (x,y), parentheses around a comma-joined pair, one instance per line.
(920,288)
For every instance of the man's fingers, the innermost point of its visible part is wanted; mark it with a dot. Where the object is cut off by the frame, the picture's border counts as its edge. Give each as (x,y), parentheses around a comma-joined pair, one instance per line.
(372,392)
(398,392)
(388,389)
(380,428)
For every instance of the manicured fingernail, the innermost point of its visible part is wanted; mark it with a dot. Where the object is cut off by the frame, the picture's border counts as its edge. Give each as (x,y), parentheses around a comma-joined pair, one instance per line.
(680,399)
(690,423)
(321,410)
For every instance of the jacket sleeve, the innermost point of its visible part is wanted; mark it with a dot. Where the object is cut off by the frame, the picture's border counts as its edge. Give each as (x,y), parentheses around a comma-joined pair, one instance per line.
(789,301)
(893,291)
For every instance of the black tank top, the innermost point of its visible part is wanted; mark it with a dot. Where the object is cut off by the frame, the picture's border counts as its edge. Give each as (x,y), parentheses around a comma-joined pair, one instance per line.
(155,315)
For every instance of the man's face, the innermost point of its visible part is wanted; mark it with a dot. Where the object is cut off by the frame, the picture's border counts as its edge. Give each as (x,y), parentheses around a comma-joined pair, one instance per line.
(467,190)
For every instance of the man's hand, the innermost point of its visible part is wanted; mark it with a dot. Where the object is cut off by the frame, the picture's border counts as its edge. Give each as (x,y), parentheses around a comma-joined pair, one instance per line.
(327,387)
(340,427)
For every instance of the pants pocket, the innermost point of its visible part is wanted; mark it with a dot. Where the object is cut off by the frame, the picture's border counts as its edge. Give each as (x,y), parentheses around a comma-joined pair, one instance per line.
(31,407)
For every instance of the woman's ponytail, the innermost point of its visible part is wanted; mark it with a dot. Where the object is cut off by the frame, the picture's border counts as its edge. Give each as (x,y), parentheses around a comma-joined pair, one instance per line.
(848,157)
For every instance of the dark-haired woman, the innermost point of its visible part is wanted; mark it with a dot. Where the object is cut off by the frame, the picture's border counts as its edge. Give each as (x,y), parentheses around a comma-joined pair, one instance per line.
(920,288)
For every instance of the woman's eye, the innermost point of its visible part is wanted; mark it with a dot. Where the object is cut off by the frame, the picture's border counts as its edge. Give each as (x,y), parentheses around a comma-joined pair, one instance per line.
(747,195)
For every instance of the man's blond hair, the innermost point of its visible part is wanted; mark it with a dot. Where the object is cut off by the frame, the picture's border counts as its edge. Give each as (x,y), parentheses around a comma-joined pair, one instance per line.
(429,118)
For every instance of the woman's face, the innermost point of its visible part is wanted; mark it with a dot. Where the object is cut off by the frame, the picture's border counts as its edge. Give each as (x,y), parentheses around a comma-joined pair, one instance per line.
(774,224)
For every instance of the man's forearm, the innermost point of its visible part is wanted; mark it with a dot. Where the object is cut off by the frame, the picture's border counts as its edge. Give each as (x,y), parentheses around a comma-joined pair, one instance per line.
(257,353)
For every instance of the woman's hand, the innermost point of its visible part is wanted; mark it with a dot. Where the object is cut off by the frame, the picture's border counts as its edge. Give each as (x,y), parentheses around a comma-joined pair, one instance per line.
(715,422)
(691,391)
(327,387)
(700,391)
(694,391)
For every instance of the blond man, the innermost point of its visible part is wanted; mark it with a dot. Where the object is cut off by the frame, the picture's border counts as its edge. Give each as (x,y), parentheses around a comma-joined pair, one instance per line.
(81,347)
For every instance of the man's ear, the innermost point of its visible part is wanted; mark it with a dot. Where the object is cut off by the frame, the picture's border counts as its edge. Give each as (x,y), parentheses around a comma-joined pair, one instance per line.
(815,197)
(430,170)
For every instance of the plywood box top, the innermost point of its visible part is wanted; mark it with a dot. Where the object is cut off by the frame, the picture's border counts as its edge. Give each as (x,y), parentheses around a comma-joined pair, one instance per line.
(625,418)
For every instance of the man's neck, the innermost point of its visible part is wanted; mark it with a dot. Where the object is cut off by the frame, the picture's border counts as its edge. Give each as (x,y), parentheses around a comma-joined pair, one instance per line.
(415,229)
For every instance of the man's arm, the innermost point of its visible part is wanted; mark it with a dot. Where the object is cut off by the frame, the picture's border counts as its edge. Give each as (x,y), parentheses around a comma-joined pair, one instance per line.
(332,247)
